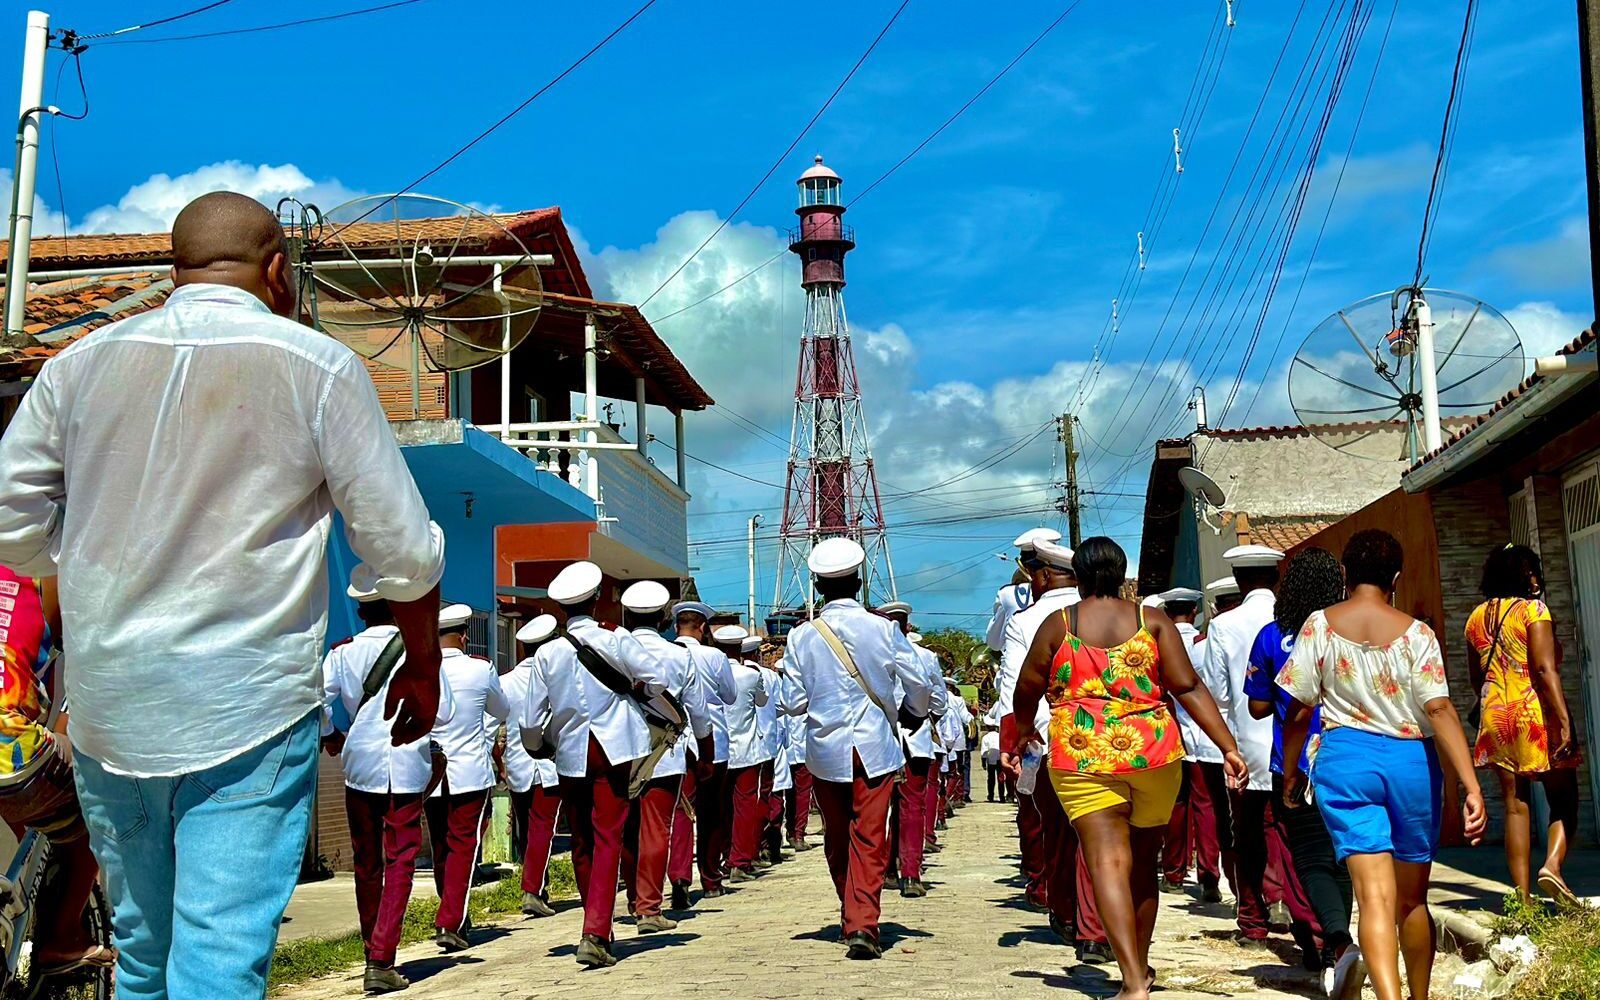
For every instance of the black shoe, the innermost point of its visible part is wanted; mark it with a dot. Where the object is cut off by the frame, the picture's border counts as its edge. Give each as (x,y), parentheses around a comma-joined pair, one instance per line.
(1059,928)
(383,979)
(450,940)
(595,953)
(1095,953)
(1210,892)
(534,905)
(1171,887)
(912,888)
(801,846)
(680,895)
(862,947)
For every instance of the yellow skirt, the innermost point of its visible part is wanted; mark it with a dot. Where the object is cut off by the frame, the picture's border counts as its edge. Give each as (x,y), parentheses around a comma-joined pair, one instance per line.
(1150,793)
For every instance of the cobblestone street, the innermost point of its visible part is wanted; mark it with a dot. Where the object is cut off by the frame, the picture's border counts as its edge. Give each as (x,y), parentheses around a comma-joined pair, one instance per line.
(775,938)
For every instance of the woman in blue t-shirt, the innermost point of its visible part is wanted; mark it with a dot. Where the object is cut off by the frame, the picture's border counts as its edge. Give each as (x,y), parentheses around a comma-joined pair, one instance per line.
(1311,582)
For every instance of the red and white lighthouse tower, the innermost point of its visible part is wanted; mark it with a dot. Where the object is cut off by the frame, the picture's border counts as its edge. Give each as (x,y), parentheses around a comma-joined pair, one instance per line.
(831,489)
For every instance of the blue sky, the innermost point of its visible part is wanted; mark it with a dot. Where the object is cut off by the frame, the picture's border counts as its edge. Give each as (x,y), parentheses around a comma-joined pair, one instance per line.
(986,265)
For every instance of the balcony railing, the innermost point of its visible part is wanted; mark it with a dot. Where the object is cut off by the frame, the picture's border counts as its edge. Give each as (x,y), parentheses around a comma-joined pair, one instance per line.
(800,233)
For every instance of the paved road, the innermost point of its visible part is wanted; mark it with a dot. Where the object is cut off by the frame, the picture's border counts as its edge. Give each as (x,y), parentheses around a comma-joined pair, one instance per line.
(776,939)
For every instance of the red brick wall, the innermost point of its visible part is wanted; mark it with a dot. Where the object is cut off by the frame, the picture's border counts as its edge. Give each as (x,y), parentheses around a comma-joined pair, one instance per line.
(332,826)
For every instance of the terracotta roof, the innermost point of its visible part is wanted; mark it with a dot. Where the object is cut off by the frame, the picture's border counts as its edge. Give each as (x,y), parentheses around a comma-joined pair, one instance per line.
(1281,533)
(1583,340)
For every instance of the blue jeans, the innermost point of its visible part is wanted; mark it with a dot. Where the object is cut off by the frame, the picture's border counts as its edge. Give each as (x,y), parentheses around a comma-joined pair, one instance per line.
(199,867)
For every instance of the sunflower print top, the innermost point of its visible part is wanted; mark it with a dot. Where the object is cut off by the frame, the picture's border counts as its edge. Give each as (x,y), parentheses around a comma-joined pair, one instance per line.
(1107,710)
(1512,734)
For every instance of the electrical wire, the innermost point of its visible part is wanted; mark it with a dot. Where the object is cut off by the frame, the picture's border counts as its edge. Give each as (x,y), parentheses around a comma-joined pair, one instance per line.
(263,27)
(1446,129)
(157,22)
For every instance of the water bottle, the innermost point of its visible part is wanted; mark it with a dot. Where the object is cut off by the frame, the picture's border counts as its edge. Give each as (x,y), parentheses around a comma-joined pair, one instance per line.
(1030,769)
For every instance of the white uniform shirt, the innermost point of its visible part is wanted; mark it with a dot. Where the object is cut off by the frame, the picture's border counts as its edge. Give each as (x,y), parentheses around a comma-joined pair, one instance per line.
(566,703)
(840,719)
(797,728)
(207,445)
(371,762)
(1227,660)
(1024,625)
(1195,742)
(919,742)
(746,746)
(779,705)
(678,671)
(713,673)
(1011,598)
(464,737)
(990,746)
(522,771)
(953,727)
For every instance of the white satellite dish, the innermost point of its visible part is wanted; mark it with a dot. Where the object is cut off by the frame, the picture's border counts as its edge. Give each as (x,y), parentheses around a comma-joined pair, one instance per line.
(1201,486)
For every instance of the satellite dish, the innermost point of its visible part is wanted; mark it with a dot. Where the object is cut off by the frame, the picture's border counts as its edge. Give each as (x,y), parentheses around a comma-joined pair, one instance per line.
(419,283)
(1357,382)
(1201,486)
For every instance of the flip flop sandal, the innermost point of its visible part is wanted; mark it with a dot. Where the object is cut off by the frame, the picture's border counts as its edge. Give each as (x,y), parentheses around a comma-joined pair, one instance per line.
(1553,886)
(102,957)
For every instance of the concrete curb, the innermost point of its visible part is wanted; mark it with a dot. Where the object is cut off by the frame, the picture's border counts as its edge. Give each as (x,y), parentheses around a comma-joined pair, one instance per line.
(1461,934)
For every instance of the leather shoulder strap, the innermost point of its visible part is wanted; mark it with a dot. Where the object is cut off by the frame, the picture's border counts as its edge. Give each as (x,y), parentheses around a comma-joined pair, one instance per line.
(837,645)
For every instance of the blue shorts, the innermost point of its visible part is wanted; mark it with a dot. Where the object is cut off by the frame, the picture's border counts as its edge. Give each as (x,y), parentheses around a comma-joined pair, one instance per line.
(1379,794)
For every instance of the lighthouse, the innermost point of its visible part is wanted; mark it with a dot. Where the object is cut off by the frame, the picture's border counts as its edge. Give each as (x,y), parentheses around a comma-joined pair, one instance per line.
(831,489)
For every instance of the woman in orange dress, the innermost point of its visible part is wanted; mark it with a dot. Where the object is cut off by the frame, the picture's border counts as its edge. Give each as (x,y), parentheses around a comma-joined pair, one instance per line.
(1525,732)
(1113,749)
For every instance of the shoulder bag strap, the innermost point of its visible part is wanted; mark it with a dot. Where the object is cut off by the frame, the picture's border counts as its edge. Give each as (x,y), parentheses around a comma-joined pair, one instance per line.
(381,670)
(832,639)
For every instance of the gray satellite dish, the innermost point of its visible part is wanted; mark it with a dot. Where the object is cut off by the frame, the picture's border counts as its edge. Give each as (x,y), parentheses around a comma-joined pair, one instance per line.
(1201,486)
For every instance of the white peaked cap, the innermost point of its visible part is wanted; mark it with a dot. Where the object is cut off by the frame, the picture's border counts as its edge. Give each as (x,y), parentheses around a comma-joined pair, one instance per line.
(645,597)
(537,629)
(1028,538)
(836,557)
(895,608)
(1057,556)
(1153,601)
(914,637)
(575,583)
(730,634)
(693,608)
(1252,555)
(1224,586)
(454,616)
(750,644)
(1181,595)
(363,584)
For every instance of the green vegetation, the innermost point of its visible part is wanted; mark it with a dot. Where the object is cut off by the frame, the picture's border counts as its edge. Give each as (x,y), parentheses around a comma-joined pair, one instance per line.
(1568,966)
(963,656)
(298,961)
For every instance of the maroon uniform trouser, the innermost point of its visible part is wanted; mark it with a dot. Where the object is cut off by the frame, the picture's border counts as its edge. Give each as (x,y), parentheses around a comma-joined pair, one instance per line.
(798,802)
(385,836)
(930,811)
(533,814)
(455,822)
(749,815)
(644,844)
(1065,882)
(597,805)
(1178,847)
(855,840)
(680,848)
(1211,822)
(909,829)
(716,829)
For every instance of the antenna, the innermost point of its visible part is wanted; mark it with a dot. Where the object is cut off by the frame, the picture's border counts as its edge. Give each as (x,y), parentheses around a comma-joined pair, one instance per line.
(1206,493)
(1197,403)
(1177,149)
(1141,251)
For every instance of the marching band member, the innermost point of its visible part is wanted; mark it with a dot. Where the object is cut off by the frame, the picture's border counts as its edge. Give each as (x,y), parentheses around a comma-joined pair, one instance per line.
(908,821)
(1018,594)
(775,715)
(797,800)
(705,788)
(597,732)
(746,754)
(456,808)
(535,784)
(855,681)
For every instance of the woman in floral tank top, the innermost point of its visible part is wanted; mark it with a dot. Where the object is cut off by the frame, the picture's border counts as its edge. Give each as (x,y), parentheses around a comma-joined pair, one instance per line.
(1106,666)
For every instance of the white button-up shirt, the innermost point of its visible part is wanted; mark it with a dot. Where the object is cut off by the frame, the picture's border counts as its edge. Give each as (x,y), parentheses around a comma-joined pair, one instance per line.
(464,737)
(522,771)
(841,721)
(1011,598)
(713,674)
(1227,660)
(797,728)
(747,745)
(1024,625)
(371,762)
(180,470)
(1195,742)
(919,742)
(678,670)
(566,703)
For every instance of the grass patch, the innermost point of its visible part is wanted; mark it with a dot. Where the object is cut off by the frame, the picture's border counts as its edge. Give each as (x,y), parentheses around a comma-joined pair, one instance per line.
(1568,966)
(310,958)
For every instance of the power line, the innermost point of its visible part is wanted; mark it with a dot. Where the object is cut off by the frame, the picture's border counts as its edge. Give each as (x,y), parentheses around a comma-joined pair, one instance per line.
(723,224)
(263,27)
(1446,129)
(707,298)
(158,21)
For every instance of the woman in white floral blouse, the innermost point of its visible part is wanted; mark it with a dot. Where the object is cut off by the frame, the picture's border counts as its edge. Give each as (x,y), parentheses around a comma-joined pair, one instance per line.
(1387,719)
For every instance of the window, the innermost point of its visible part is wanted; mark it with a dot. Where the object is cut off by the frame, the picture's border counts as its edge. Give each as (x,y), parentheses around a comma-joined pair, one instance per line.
(1521,530)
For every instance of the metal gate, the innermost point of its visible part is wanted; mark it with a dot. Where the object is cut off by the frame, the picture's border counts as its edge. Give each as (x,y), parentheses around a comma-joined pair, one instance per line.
(1581,505)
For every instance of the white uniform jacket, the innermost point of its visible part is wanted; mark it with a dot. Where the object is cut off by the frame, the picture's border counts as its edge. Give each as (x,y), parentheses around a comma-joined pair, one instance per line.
(1195,742)
(477,692)
(920,741)
(746,747)
(713,673)
(1019,638)
(841,721)
(522,771)
(1011,598)
(679,671)
(1227,660)
(566,703)
(371,762)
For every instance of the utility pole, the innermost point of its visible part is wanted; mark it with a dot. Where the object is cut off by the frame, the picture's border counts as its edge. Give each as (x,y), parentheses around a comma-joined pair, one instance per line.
(1073,531)
(34,45)
(1589,65)
(750,549)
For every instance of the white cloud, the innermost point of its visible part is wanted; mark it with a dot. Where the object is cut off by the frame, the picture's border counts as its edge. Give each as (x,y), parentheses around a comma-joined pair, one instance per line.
(1556,262)
(1544,328)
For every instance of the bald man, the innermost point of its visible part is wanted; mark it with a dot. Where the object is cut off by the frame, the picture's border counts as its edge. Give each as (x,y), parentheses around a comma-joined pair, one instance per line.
(209,444)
